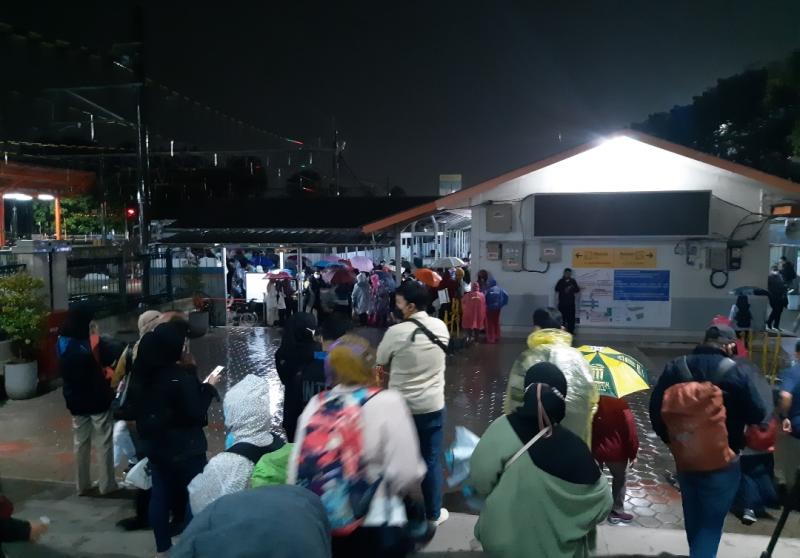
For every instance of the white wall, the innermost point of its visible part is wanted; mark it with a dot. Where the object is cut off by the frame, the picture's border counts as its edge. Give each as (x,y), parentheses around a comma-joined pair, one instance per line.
(627,164)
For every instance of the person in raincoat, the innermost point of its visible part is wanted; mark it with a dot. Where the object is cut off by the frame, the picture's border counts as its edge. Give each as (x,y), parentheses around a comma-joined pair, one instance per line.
(361,298)
(544,492)
(269,522)
(272,303)
(474,312)
(496,298)
(247,418)
(550,343)
(379,309)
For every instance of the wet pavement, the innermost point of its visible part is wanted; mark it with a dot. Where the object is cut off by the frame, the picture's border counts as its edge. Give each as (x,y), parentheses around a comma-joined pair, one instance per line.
(35,441)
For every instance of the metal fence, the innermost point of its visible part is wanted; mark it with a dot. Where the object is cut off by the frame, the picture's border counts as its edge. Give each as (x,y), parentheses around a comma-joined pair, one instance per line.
(119,282)
(11,269)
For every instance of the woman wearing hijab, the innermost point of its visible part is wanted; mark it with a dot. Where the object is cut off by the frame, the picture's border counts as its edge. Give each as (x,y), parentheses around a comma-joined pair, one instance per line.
(544,492)
(388,450)
(123,443)
(171,411)
(88,396)
(247,419)
(124,437)
(298,349)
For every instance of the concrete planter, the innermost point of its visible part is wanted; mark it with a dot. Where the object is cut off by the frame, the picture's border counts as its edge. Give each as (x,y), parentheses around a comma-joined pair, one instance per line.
(22,379)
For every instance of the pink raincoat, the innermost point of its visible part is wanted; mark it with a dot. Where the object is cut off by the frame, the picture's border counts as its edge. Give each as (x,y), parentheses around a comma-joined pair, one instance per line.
(473,308)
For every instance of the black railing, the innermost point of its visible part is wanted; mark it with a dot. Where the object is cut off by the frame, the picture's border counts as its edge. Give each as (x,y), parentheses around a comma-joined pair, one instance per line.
(11,269)
(120,282)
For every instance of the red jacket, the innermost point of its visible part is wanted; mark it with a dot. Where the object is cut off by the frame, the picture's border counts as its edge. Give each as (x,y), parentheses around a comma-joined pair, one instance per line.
(614,435)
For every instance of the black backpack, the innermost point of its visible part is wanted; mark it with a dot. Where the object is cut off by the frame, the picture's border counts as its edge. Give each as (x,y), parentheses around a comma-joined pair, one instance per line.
(253,452)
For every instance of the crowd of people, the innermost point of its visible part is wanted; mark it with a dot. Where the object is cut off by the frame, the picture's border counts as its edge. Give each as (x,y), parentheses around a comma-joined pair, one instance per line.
(357,469)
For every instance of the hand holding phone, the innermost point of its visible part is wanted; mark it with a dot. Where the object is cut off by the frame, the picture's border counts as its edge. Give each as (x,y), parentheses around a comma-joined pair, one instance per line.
(214,377)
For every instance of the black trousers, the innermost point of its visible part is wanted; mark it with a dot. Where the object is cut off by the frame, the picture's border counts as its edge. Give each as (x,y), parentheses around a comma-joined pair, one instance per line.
(774,319)
(366,542)
(568,315)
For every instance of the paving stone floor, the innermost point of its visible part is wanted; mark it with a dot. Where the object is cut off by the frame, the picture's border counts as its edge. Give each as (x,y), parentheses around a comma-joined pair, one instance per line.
(35,441)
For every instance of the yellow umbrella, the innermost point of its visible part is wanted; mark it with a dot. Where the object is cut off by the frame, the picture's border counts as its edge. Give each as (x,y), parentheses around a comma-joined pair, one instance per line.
(615,374)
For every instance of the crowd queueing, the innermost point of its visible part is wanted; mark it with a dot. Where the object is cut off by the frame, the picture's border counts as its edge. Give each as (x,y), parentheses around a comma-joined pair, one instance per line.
(357,470)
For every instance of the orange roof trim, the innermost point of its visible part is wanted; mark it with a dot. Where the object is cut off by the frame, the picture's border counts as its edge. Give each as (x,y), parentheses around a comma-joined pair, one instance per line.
(32,179)
(454,200)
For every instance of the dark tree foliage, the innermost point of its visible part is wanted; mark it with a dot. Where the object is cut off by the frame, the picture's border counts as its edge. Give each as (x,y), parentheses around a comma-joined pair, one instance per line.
(752,118)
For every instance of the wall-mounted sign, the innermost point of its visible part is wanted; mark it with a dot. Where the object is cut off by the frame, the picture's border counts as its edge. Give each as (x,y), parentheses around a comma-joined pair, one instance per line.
(618,258)
(593,257)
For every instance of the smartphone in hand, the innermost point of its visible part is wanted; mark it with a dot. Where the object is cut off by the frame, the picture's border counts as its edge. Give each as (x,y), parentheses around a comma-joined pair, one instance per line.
(214,374)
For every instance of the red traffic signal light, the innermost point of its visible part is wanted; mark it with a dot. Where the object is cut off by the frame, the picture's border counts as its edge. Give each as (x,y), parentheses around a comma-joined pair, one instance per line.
(131,213)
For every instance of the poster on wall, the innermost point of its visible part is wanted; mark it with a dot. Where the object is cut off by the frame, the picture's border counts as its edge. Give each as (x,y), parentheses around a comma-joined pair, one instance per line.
(624,297)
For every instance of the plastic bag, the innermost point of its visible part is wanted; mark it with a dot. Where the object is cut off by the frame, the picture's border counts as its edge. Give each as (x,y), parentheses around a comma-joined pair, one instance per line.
(139,475)
(458,455)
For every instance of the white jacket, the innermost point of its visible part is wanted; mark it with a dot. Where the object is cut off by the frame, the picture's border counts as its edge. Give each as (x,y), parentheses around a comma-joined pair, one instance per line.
(416,367)
(391,450)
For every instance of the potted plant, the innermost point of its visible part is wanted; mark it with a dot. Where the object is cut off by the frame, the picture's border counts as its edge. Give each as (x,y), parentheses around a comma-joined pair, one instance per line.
(22,316)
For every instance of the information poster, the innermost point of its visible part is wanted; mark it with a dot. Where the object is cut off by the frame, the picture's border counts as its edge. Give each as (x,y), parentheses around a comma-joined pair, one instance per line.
(624,297)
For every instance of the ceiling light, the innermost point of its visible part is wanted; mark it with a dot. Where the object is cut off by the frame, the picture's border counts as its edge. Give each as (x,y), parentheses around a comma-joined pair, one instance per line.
(45,197)
(17,197)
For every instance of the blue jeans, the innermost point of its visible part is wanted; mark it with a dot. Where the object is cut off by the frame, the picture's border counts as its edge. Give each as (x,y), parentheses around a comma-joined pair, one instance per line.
(707,497)
(169,494)
(430,429)
(757,487)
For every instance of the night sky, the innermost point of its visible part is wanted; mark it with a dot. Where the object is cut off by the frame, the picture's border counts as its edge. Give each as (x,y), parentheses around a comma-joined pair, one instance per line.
(429,87)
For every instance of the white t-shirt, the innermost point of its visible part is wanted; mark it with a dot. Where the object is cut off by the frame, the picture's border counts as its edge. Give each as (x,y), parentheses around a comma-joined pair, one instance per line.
(416,366)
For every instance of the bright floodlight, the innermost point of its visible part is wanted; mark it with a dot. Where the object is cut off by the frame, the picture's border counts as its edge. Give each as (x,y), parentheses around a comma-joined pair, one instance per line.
(45,197)
(17,197)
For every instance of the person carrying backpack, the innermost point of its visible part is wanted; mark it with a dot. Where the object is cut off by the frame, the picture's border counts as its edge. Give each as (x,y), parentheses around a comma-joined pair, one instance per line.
(700,408)
(414,353)
(496,298)
(362,479)
(247,418)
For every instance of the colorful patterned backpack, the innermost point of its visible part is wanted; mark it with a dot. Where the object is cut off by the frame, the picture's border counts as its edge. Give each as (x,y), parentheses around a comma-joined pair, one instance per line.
(331,463)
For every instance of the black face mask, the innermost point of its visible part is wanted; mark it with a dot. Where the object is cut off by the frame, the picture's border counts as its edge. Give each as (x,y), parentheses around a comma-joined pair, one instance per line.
(397,313)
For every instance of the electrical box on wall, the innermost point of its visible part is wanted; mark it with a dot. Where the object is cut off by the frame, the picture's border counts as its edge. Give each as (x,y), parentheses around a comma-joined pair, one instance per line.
(512,256)
(717,259)
(550,252)
(499,217)
(735,250)
(493,251)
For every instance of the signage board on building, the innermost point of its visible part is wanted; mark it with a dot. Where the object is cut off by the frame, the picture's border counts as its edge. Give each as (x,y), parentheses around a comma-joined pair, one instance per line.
(615,258)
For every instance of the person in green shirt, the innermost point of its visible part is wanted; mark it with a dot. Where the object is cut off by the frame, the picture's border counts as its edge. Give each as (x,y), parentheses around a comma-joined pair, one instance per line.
(544,492)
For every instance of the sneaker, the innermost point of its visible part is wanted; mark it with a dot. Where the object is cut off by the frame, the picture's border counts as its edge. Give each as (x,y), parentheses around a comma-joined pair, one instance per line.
(444,515)
(748,517)
(619,517)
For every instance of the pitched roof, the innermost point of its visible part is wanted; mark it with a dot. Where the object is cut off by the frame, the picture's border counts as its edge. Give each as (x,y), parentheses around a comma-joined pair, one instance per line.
(457,199)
